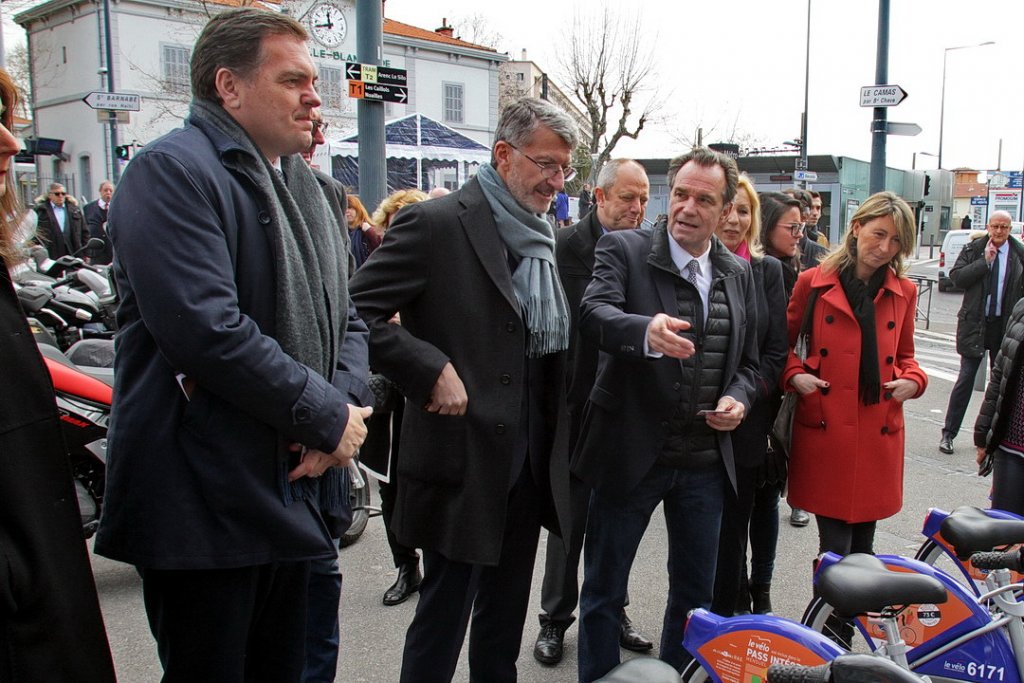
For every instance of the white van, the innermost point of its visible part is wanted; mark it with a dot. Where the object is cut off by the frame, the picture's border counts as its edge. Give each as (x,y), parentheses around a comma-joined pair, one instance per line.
(951,246)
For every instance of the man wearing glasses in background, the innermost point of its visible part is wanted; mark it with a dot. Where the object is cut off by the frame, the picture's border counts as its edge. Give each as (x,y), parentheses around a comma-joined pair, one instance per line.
(61,225)
(989,270)
(480,356)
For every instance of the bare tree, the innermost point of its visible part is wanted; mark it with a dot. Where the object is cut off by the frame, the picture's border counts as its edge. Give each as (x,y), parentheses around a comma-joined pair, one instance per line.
(477,29)
(17,67)
(608,64)
(731,132)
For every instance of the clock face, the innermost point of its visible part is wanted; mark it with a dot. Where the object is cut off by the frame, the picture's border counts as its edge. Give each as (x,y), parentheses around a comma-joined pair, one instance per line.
(327,24)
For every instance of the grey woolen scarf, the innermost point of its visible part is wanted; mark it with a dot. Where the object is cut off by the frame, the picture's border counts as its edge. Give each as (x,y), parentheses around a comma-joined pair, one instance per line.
(531,239)
(310,271)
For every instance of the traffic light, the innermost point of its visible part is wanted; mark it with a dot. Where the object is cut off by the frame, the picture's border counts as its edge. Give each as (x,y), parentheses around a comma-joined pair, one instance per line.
(927,184)
(123,152)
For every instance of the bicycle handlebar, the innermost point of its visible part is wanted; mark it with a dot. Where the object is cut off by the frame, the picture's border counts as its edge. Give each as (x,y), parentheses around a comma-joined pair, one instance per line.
(794,673)
(998,560)
(848,668)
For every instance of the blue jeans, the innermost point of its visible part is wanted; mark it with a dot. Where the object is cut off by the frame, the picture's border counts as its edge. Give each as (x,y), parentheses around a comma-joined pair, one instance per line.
(693,512)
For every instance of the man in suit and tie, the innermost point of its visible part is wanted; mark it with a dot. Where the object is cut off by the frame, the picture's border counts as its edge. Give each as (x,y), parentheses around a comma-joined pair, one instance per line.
(96,221)
(61,225)
(669,309)
(480,359)
(622,192)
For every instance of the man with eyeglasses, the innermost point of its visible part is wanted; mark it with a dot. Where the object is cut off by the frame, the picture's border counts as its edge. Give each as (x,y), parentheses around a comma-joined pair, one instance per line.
(61,225)
(480,357)
(990,270)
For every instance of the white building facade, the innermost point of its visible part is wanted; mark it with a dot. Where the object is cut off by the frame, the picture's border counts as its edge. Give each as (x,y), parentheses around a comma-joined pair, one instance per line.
(449,80)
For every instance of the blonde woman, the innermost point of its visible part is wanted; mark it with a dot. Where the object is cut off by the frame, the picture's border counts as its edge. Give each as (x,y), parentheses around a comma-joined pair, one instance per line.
(846,464)
(756,505)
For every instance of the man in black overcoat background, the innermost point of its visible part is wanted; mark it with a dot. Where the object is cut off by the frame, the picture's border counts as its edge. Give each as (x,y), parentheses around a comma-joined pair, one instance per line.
(622,192)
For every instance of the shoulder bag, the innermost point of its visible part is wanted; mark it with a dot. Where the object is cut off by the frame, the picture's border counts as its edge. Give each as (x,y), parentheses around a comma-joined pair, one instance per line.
(781,435)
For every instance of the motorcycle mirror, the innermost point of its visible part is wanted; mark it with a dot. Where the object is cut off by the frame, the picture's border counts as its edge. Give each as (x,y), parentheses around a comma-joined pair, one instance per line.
(93,243)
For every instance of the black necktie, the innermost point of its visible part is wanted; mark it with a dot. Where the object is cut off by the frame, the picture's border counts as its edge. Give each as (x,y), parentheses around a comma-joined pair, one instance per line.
(993,287)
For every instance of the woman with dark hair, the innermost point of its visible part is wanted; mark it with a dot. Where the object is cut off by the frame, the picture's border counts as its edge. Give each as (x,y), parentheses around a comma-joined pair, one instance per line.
(782,221)
(51,628)
(781,230)
(846,460)
(756,506)
(999,430)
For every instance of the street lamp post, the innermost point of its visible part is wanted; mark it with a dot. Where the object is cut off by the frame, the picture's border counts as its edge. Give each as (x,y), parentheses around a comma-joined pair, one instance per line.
(942,103)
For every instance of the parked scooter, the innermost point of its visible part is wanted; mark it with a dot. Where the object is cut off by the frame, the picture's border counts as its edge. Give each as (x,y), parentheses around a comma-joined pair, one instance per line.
(83,383)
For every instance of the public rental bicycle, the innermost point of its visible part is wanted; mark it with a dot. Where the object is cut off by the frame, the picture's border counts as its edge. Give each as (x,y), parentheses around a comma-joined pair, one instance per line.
(905,610)
(976,635)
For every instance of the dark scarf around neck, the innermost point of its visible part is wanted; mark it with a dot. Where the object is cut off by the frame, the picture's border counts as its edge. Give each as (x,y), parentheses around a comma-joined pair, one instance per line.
(310,271)
(861,296)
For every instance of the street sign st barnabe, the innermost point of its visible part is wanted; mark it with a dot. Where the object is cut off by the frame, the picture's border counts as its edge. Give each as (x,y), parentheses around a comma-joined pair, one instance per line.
(113,101)
(881,95)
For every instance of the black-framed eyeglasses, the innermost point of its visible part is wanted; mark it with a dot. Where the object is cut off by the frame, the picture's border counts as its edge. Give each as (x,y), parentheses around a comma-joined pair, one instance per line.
(59,194)
(796,229)
(550,169)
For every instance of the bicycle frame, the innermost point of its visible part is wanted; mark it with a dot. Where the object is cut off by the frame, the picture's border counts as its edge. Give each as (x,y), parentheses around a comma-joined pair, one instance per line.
(957,640)
(932,530)
(740,649)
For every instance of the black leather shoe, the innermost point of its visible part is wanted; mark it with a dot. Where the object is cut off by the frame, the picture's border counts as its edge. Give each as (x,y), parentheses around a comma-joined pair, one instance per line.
(946,445)
(632,639)
(407,583)
(799,517)
(549,646)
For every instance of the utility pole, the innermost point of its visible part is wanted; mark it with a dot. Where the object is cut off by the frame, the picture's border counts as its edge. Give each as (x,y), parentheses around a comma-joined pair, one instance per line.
(879,122)
(807,85)
(373,184)
(115,164)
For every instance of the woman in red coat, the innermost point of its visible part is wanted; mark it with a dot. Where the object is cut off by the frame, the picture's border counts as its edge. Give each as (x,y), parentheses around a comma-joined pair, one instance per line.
(847,451)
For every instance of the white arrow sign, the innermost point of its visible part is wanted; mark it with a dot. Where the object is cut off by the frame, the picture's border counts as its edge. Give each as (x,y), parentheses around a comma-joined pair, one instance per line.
(881,95)
(113,101)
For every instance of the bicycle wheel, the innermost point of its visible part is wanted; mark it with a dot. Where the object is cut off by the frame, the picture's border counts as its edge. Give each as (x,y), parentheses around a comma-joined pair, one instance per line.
(933,554)
(360,500)
(844,632)
(694,673)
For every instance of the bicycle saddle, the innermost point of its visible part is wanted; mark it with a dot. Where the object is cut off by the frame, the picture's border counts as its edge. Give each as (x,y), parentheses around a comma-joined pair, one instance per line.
(641,670)
(860,583)
(970,530)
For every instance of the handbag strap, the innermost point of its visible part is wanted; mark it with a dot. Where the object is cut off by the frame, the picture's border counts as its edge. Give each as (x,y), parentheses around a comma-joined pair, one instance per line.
(805,325)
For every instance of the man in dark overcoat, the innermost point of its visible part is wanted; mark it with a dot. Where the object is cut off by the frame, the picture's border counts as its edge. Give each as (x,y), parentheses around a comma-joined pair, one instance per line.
(480,358)
(238,361)
(61,225)
(990,270)
(96,222)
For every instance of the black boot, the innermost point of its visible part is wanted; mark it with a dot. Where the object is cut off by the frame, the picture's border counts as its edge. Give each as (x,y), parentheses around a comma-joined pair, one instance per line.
(761,597)
(407,583)
(743,597)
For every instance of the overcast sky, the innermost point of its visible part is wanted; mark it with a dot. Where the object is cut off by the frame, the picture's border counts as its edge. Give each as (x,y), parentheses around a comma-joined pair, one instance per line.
(742,62)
